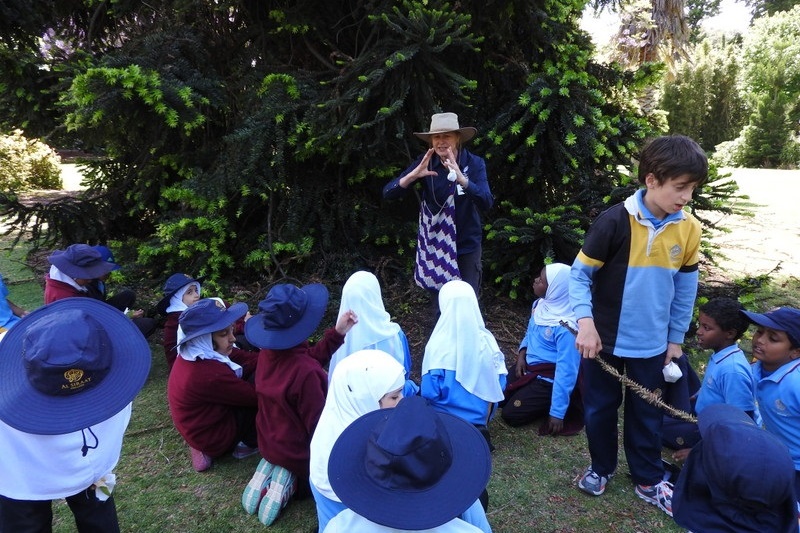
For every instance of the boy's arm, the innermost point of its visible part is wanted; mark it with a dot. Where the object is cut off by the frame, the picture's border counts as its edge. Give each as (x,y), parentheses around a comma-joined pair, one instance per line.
(685,280)
(581,274)
(333,338)
(323,350)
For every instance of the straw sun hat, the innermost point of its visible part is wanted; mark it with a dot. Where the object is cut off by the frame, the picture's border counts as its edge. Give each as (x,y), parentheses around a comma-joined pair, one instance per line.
(444,123)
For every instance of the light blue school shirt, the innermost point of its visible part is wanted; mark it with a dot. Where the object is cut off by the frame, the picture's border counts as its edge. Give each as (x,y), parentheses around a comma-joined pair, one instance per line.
(728,379)
(7,316)
(554,344)
(327,509)
(778,397)
(449,396)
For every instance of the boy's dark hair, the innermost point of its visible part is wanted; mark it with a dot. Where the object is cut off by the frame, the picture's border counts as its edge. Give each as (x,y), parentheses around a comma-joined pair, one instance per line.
(671,156)
(725,312)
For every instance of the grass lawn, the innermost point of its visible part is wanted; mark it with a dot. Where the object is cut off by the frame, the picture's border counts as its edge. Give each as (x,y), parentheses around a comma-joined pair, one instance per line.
(532,486)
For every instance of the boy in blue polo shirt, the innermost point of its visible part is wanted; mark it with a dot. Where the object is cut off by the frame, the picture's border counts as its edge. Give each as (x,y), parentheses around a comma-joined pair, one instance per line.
(776,346)
(632,288)
(727,379)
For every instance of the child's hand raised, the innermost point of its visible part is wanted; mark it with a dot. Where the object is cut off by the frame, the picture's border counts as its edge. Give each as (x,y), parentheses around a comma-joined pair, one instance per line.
(347,320)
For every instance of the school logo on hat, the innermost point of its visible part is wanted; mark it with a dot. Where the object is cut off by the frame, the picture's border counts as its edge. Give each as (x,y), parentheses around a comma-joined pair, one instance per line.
(69,365)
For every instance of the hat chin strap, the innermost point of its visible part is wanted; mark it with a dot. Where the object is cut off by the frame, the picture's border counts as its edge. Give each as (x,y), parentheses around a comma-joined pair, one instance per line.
(85,448)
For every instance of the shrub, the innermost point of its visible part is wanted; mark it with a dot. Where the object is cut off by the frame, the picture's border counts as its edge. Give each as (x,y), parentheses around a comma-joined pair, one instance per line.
(27,164)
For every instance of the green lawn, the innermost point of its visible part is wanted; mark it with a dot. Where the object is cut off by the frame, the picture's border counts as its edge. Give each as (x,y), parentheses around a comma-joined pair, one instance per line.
(532,487)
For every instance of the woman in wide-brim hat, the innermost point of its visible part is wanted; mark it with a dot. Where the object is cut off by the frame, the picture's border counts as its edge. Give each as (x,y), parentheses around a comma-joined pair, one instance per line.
(212,398)
(455,190)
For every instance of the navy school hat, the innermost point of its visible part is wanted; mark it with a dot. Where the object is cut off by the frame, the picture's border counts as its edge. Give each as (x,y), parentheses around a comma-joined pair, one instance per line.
(80,261)
(107,256)
(782,319)
(287,316)
(410,467)
(207,316)
(69,365)
(738,478)
(173,284)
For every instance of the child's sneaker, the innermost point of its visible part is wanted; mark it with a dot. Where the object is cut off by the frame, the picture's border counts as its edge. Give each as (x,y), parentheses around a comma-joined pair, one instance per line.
(242,450)
(257,487)
(593,483)
(659,495)
(280,489)
(200,461)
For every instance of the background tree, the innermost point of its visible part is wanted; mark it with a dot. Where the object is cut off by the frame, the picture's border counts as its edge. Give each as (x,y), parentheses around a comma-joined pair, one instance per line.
(702,100)
(254,137)
(770,87)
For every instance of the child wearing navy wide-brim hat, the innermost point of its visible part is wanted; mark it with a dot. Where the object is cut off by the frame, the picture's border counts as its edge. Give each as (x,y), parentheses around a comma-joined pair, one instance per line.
(411,468)
(291,385)
(210,390)
(180,292)
(738,478)
(72,270)
(70,372)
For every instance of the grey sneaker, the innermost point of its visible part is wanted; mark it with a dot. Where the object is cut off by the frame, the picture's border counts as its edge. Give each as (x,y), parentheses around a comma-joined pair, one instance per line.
(659,495)
(593,483)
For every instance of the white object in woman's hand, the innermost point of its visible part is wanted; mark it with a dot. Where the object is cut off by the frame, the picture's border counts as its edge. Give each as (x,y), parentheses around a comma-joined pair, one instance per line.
(452,176)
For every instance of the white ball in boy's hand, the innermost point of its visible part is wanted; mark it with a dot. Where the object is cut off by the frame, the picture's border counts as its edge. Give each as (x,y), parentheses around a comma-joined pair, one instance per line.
(672,372)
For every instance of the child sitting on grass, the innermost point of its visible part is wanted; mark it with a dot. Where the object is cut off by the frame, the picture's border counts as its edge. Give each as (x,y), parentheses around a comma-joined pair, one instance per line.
(364,381)
(375,329)
(728,378)
(548,362)
(180,292)
(776,346)
(210,390)
(72,271)
(738,479)
(463,369)
(291,385)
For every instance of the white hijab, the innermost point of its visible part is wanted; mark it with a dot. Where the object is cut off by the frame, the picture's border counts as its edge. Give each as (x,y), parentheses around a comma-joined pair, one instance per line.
(555,306)
(176,302)
(460,342)
(357,385)
(56,274)
(362,294)
(202,347)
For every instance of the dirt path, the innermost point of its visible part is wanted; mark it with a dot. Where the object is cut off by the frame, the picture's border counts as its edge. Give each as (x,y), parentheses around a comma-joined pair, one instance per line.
(771,239)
